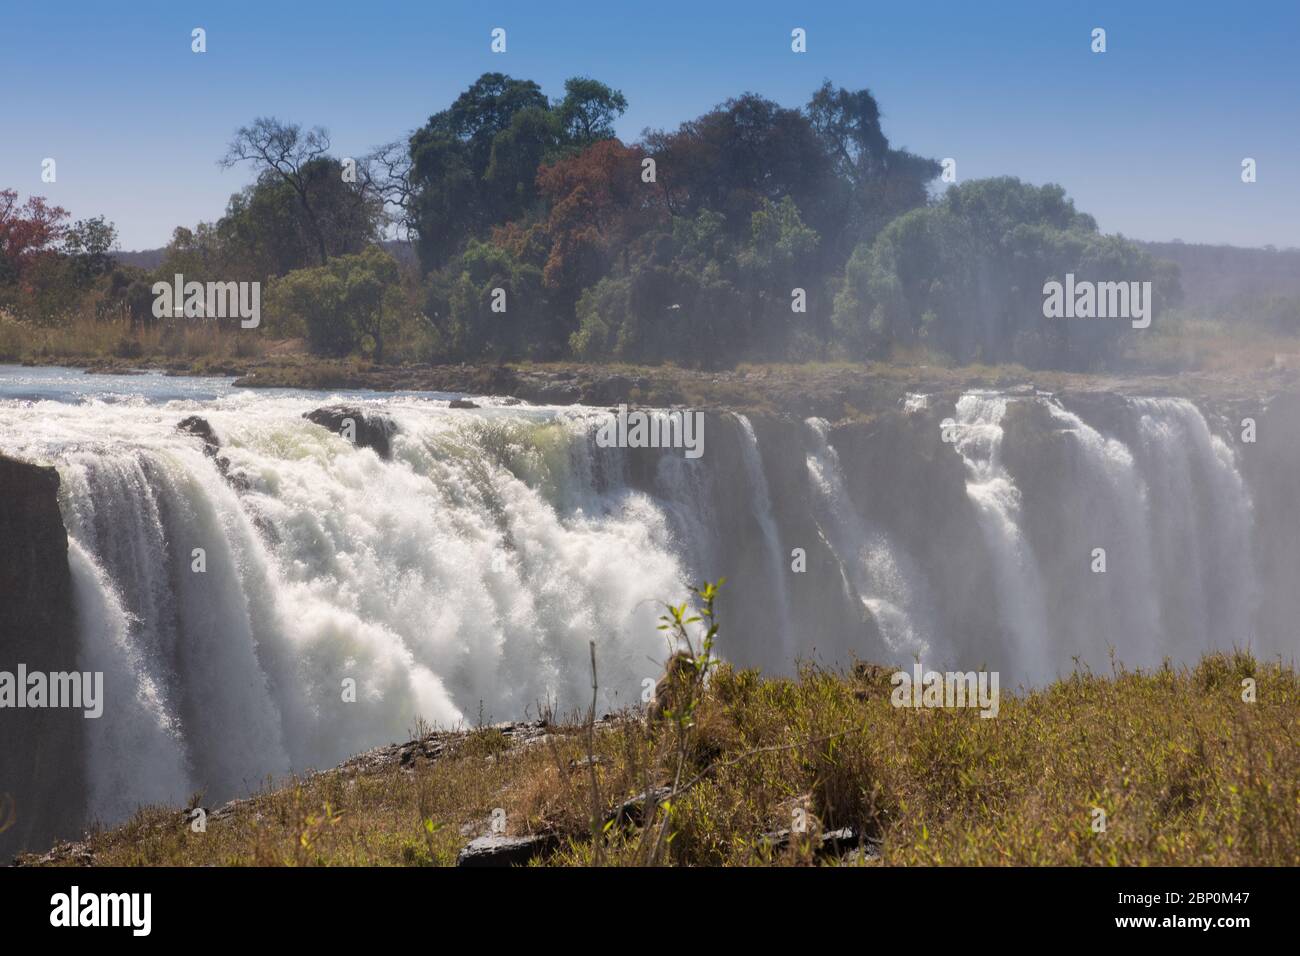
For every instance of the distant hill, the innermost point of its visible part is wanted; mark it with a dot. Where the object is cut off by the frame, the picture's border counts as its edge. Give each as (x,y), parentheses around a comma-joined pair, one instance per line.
(144,259)
(1214,277)
(150,259)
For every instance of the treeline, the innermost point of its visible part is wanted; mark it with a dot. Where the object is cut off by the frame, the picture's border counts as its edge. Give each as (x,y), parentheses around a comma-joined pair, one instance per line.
(753,232)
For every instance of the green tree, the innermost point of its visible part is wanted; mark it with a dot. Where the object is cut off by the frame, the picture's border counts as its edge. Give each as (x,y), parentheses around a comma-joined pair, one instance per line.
(875,182)
(588,110)
(89,243)
(780,257)
(344,306)
(489,304)
(297,158)
(676,300)
(965,276)
(452,196)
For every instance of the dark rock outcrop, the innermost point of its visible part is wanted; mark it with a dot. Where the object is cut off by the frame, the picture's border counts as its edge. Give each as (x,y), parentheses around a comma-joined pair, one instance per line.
(41,749)
(202,429)
(462,403)
(371,430)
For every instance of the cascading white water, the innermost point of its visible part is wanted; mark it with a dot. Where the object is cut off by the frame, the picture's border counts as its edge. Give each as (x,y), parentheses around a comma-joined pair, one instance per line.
(466,575)
(1201,528)
(136,748)
(1106,506)
(1173,515)
(997,501)
(882,576)
(753,463)
(684,487)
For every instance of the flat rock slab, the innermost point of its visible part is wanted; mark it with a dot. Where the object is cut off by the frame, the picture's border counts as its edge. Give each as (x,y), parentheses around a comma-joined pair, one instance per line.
(498,850)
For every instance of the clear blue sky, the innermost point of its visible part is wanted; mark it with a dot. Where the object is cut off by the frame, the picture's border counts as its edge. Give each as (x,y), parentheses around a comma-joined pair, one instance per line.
(1148,137)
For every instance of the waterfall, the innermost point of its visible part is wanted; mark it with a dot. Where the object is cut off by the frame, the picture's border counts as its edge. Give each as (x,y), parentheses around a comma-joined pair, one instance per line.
(997,501)
(762,501)
(464,577)
(882,577)
(307,600)
(1201,526)
(1106,505)
(135,749)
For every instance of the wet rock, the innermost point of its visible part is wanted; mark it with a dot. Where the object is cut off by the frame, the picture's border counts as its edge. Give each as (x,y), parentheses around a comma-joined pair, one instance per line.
(372,430)
(462,403)
(41,749)
(200,427)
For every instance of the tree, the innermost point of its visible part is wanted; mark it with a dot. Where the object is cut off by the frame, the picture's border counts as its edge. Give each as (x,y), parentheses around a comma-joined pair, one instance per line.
(289,153)
(676,293)
(474,165)
(877,183)
(90,243)
(779,257)
(265,231)
(849,124)
(453,195)
(510,180)
(387,175)
(29,232)
(598,206)
(343,305)
(739,154)
(965,276)
(588,110)
(488,304)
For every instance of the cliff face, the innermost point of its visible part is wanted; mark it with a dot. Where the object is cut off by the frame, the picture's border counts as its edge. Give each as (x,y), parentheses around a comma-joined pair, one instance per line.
(40,783)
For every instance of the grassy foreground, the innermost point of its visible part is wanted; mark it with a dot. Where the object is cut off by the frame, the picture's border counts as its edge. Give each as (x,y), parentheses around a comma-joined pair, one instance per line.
(1186,771)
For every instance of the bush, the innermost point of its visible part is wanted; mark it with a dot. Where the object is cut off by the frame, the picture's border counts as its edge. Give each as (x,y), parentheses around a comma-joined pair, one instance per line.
(341,305)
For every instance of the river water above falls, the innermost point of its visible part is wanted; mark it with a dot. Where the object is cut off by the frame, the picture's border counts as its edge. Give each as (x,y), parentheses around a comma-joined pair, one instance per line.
(464,576)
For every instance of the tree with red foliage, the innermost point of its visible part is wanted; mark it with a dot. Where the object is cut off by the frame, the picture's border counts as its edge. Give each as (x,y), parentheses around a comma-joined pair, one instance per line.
(28,233)
(598,203)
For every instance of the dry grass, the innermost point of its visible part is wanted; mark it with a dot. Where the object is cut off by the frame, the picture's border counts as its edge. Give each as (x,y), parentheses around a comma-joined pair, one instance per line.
(1186,771)
(84,339)
(1214,347)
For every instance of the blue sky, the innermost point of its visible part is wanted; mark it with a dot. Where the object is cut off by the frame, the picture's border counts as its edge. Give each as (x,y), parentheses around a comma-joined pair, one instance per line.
(1148,137)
